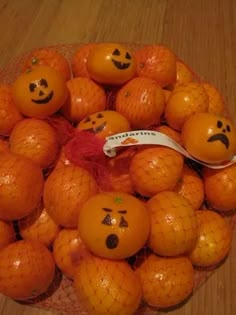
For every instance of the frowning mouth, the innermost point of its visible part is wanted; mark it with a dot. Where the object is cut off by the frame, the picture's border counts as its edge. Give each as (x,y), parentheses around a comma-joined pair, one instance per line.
(220,137)
(120,65)
(44,100)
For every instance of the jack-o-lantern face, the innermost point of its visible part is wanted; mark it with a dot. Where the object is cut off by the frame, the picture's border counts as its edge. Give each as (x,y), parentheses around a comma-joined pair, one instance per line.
(209,138)
(40,91)
(114,225)
(110,63)
(222,134)
(112,240)
(121,64)
(104,123)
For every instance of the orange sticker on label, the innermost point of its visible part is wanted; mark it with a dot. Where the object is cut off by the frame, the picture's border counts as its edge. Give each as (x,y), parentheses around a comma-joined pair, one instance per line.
(129,140)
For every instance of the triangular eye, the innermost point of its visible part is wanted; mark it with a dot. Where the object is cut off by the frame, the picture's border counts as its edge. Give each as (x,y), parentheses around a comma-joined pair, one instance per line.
(32,86)
(107,220)
(123,222)
(87,119)
(99,115)
(116,52)
(43,82)
(127,56)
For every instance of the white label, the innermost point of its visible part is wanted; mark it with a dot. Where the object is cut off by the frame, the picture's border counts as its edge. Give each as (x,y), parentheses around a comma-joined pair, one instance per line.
(140,137)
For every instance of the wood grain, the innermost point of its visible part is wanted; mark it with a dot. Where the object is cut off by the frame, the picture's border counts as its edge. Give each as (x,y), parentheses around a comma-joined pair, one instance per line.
(202,33)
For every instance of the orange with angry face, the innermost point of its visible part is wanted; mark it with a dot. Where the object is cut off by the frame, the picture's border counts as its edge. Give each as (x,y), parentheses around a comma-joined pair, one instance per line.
(111,63)
(114,225)
(105,123)
(209,138)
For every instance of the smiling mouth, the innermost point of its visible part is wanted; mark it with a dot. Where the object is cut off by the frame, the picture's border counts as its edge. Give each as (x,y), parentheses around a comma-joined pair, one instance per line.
(44,100)
(97,129)
(220,137)
(120,65)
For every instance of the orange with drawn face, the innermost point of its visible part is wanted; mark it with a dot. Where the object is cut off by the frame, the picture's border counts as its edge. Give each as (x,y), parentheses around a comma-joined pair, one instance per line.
(105,123)
(114,225)
(209,138)
(111,63)
(39,91)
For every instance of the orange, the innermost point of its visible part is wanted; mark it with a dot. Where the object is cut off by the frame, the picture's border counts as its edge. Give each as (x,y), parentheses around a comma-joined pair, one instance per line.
(214,241)
(170,132)
(167,94)
(79,60)
(40,91)
(39,226)
(67,248)
(4,146)
(105,123)
(21,186)
(48,57)
(191,187)
(111,63)
(7,233)
(216,101)
(166,281)
(156,62)
(114,225)
(85,98)
(186,99)
(155,169)
(183,73)
(174,226)
(65,191)
(107,287)
(35,139)
(220,187)
(118,167)
(26,269)
(9,114)
(141,101)
(209,138)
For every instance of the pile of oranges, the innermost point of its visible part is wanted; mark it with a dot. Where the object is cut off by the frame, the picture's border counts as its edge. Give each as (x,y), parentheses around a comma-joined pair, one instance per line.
(128,229)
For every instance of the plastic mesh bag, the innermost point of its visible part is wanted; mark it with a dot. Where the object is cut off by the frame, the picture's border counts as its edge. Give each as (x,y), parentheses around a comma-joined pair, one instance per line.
(61,296)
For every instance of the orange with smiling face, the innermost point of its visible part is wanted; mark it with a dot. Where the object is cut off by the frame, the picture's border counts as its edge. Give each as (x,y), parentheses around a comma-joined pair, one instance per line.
(114,225)
(40,91)
(209,138)
(111,63)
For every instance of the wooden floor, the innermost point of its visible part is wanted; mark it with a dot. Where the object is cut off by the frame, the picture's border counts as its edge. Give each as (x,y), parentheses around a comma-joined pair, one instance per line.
(201,32)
